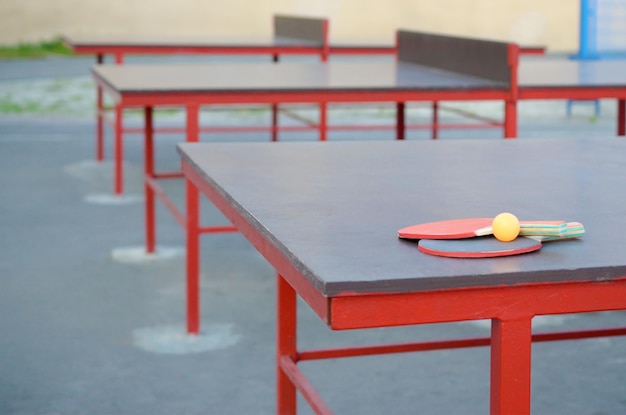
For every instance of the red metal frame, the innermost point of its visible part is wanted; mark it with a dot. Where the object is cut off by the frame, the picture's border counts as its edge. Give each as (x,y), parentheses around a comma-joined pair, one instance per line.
(511,309)
(321,98)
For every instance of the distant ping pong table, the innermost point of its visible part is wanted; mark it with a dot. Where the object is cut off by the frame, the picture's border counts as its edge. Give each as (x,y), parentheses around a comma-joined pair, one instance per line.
(568,79)
(292,35)
(339,251)
(428,68)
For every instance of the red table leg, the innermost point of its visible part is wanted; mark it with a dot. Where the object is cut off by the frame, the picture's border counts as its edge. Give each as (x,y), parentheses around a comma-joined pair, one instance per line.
(274,122)
(119,145)
(510,119)
(510,366)
(325,43)
(323,121)
(275,58)
(621,117)
(400,123)
(193,260)
(119,151)
(99,116)
(193,234)
(510,104)
(149,173)
(286,341)
(435,122)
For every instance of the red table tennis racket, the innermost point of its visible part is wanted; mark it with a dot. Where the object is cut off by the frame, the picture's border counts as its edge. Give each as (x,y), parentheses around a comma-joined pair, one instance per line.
(472,227)
(483,247)
(448,229)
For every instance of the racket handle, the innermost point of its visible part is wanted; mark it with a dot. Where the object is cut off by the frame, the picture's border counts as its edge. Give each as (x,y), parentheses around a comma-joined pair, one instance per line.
(573,230)
(543,229)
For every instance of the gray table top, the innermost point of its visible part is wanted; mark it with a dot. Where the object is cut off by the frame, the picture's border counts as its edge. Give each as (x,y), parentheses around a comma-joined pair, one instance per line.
(123,41)
(346,75)
(334,208)
(288,76)
(542,72)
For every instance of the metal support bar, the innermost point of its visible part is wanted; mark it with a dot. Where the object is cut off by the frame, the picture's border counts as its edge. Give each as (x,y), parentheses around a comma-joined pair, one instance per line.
(193,236)
(286,345)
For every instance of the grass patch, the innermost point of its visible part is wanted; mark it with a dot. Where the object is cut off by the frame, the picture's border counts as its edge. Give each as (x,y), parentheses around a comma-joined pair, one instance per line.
(44,49)
(11,107)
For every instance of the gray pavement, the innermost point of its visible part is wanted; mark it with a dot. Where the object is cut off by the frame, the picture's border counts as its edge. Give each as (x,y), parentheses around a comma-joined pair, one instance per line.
(74,321)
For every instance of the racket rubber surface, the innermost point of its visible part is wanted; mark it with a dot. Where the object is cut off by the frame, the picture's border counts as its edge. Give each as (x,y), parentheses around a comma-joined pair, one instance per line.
(448,229)
(483,247)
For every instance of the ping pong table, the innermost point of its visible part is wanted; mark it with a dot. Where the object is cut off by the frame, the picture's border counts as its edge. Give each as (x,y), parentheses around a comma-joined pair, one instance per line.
(428,68)
(331,235)
(292,35)
(570,79)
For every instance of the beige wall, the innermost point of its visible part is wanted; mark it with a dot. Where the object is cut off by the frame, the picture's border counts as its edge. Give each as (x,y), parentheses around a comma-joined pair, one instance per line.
(553,23)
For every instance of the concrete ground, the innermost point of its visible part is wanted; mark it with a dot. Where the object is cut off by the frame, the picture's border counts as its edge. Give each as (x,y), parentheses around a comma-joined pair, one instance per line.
(84,332)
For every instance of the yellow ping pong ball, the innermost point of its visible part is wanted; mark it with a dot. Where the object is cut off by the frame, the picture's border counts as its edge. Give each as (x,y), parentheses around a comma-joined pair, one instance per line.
(505,227)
